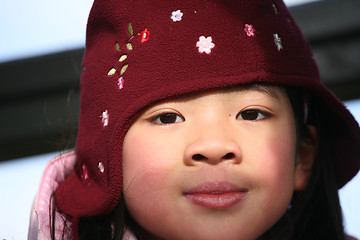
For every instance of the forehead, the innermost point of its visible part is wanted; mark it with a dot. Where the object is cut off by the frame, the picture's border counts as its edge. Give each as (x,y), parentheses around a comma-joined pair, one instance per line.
(268,90)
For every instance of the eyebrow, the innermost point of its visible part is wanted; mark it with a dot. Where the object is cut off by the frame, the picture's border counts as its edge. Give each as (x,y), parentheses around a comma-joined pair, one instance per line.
(260,88)
(247,87)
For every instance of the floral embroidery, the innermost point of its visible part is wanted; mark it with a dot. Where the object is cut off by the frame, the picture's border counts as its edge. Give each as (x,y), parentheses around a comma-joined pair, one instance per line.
(176,15)
(123,58)
(101,167)
(117,46)
(144,35)
(121,83)
(275,8)
(129,46)
(112,72)
(105,118)
(205,44)
(130,29)
(122,51)
(277,41)
(84,174)
(250,30)
(123,69)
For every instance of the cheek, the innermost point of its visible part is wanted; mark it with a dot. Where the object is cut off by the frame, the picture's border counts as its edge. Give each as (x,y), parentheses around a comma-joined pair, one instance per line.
(143,195)
(145,199)
(143,180)
(275,164)
(143,171)
(280,159)
(146,176)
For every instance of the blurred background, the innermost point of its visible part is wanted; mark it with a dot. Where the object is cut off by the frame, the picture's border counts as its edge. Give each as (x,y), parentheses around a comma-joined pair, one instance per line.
(41,48)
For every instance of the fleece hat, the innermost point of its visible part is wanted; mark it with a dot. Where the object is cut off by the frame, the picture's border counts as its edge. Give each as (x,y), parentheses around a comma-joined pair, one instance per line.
(139,52)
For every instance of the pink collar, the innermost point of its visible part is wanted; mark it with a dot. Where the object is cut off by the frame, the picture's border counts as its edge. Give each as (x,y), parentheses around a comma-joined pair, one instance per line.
(55,172)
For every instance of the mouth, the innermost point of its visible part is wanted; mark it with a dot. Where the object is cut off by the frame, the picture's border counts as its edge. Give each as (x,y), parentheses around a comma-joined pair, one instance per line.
(216,195)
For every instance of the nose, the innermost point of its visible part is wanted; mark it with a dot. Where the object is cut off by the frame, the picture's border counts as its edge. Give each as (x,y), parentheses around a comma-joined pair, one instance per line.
(212,149)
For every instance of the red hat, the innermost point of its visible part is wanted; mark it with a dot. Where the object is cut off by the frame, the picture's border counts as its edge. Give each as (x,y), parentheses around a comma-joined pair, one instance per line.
(142,51)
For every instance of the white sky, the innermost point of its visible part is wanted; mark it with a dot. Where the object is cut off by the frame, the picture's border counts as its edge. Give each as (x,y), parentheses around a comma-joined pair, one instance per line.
(35,27)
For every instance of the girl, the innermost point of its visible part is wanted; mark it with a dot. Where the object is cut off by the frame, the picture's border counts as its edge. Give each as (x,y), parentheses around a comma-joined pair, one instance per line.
(200,120)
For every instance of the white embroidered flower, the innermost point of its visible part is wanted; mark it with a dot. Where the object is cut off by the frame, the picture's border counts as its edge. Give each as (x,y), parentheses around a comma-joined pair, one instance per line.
(277,41)
(105,118)
(205,44)
(101,167)
(176,15)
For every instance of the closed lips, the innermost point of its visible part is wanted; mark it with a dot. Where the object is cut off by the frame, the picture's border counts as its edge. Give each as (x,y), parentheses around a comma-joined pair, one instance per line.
(216,195)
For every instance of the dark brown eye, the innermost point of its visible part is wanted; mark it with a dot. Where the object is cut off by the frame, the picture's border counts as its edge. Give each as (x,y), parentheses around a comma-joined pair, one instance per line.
(167,118)
(252,115)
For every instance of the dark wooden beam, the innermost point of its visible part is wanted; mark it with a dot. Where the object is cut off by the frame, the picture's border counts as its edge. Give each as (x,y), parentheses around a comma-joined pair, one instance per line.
(333,29)
(39,104)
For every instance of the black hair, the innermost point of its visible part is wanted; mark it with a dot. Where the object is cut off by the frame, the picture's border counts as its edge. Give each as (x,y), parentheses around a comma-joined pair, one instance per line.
(314,213)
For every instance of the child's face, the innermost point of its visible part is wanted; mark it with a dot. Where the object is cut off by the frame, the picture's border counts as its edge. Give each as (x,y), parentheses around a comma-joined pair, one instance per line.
(217,165)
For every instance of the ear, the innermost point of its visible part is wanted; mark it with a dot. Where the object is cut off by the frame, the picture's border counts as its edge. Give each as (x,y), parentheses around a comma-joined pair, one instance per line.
(305,159)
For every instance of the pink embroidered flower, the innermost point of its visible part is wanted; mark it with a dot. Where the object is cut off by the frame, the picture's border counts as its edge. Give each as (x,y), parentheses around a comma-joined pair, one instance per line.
(250,30)
(205,44)
(121,83)
(176,15)
(144,35)
(84,174)
(105,118)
